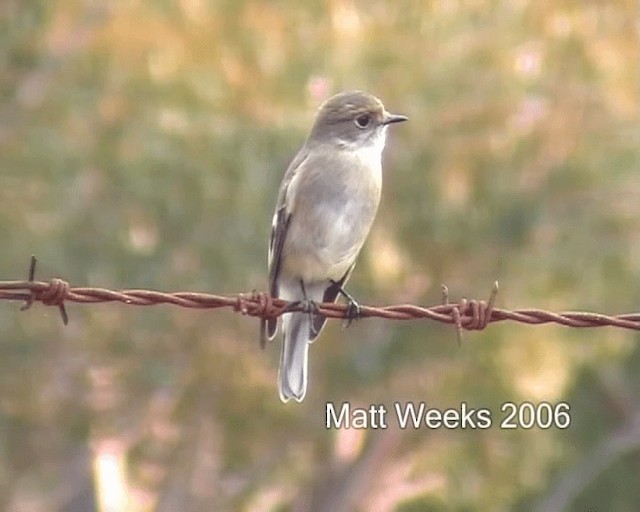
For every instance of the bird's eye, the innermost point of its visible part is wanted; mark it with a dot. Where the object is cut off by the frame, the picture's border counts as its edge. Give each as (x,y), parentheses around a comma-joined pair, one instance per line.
(362,121)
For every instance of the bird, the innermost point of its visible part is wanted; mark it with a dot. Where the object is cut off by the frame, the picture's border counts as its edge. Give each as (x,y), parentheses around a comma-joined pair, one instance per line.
(325,208)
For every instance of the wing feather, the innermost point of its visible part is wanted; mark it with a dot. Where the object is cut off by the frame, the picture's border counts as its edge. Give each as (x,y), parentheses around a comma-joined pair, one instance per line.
(279,228)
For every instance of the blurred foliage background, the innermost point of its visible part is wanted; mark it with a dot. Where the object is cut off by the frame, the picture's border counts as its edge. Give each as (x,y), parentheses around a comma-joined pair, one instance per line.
(141,145)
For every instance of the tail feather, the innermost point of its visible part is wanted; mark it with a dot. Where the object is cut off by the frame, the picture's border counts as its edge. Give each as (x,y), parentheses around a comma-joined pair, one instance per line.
(292,378)
(299,329)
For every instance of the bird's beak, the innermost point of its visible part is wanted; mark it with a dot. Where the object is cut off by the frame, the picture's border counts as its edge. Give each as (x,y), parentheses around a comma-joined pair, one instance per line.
(393,118)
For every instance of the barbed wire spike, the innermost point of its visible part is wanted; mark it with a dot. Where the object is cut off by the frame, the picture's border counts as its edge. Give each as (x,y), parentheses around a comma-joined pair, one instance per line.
(31,278)
(457,322)
(54,295)
(480,311)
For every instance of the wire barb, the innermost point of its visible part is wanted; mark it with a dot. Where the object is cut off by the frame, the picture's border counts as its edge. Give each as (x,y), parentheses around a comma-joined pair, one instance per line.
(53,295)
(32,274)
(477,312)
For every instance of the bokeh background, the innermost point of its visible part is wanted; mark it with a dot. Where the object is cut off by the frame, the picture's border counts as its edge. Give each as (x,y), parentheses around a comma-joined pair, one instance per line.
(141,145)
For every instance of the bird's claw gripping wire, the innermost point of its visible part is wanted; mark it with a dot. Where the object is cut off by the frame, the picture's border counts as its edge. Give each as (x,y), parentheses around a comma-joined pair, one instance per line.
(308,306)
(354,309)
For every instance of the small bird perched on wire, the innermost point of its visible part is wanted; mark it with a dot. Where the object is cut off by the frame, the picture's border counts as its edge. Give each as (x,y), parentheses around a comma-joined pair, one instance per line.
(327,201)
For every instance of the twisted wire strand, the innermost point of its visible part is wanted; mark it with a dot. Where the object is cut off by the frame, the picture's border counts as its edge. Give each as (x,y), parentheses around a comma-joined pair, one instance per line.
(466,314)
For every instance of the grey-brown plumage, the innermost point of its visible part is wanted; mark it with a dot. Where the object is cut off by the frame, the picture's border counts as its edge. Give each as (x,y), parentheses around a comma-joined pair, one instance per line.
(326,205)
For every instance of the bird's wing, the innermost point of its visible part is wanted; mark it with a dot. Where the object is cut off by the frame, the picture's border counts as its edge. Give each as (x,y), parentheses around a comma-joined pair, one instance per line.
(279,228)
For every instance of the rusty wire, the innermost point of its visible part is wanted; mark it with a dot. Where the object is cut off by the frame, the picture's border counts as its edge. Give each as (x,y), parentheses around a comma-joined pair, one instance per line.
(466,314)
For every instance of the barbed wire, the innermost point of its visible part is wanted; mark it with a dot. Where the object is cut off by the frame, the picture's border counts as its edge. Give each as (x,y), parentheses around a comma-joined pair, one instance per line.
(468,314)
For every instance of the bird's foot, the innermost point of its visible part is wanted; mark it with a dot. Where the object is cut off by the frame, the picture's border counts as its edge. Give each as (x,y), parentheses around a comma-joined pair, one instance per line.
(307,306)
(353,307)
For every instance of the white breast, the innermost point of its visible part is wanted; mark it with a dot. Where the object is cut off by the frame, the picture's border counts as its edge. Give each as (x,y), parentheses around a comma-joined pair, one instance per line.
(370,155)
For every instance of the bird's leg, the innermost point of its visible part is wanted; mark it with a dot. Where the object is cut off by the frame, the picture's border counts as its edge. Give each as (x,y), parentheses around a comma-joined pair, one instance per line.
(353,306)
(308,306)
(311,308)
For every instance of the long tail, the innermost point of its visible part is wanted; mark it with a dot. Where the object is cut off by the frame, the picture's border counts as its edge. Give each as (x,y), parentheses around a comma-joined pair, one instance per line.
(292,378)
